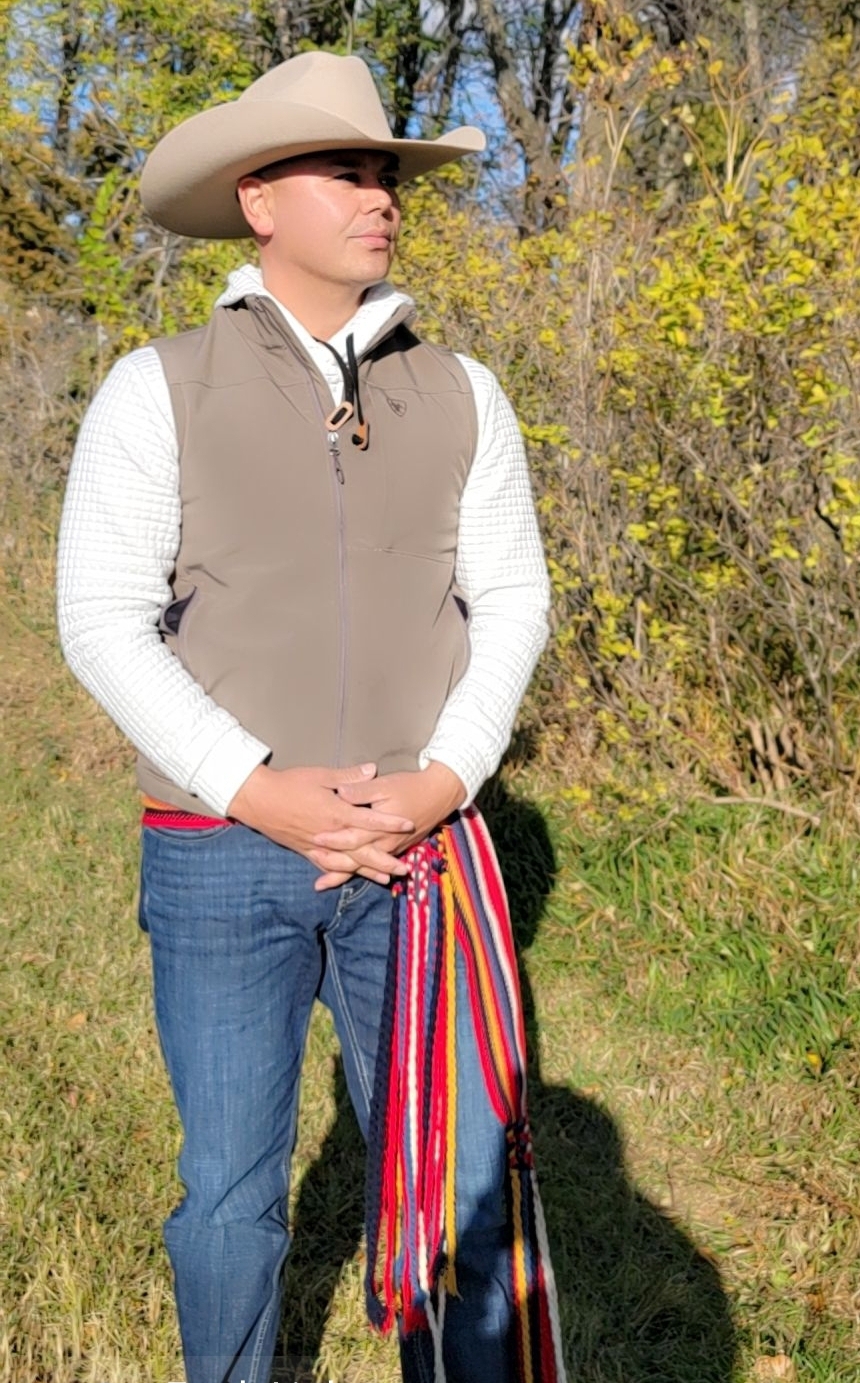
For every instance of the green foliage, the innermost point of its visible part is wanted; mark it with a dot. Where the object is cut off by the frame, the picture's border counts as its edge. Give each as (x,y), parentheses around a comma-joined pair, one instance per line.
(37,246)
(731,475)
(686,391)
(94,84)
(683,373)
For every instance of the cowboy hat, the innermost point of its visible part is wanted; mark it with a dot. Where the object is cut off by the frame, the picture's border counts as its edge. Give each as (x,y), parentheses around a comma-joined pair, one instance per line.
(309,103)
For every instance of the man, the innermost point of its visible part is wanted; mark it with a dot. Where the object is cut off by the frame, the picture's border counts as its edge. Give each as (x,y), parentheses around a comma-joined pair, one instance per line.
(299,566)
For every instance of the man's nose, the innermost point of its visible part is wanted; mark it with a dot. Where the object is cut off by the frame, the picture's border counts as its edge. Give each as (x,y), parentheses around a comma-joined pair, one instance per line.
(379,197)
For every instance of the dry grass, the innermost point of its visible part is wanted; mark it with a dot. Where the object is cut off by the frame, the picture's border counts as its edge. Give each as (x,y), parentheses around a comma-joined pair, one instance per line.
(691,993)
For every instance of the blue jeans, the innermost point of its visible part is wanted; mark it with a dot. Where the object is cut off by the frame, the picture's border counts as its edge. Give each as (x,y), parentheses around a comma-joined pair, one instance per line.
(241,947)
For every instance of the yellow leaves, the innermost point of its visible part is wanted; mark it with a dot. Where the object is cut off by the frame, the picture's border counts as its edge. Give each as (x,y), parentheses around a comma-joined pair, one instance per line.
(549,337)
(676,530)
(782,547)
(816,389)
(643,478)
(713,578)
(545,434)
(663,496)
(614,730)
(628,31)
(669,70)
(642,46)
(564,577)
(843,506)
(577,794)
(611,646)
(846,492)
(610,603)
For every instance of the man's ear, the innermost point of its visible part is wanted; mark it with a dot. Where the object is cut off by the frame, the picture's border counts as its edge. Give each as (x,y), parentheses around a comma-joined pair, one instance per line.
(255,199)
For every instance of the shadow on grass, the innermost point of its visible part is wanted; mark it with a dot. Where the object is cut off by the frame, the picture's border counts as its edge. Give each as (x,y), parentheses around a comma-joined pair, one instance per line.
(639,1303)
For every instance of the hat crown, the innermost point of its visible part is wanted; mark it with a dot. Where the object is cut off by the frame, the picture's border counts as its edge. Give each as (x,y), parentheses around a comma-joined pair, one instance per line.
(341,87)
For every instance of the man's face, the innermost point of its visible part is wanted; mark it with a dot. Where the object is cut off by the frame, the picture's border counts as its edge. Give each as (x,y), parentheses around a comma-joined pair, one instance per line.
(332,216)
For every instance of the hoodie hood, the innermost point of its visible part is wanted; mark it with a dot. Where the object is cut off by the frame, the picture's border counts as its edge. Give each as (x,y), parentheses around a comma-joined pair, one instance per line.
(380,305)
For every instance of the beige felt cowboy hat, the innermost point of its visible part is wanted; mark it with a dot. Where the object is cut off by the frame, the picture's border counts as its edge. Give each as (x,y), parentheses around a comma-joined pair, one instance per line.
(311,102)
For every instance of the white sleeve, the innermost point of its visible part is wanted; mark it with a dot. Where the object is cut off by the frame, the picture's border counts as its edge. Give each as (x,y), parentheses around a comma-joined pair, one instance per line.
(502,572)
(119,537)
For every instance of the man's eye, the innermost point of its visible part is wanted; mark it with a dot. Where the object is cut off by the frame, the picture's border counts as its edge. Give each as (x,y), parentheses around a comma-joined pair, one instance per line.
(389,181)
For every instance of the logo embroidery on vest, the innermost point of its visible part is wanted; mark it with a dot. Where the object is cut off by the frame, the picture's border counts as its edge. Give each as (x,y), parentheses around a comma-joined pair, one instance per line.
(396,405)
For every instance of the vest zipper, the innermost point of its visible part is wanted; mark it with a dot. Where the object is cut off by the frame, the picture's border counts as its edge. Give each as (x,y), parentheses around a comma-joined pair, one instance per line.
(274,320)
(339,479)
(334,453)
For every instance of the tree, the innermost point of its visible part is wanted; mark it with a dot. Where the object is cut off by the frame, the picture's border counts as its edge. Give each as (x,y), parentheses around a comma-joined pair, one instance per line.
(527,53)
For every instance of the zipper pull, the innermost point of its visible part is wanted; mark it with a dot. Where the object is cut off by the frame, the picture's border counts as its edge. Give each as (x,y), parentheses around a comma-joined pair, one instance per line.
(334,453)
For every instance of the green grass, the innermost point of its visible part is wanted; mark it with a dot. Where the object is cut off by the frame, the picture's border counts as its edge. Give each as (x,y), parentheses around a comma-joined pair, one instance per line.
(691,988)
(738,933)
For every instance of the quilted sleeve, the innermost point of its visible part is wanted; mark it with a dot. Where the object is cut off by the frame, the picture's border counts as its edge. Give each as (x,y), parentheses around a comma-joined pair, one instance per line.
(119,537)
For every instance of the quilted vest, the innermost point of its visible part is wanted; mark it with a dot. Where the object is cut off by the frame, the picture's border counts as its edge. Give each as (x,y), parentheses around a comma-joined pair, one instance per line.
(313,591)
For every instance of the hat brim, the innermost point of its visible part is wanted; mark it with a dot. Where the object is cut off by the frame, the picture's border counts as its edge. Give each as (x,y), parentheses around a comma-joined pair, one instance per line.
(188,184)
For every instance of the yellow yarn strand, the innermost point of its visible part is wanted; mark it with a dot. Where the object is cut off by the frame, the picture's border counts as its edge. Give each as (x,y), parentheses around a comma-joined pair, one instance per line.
(484,983)
(520,1283)
(401,1197)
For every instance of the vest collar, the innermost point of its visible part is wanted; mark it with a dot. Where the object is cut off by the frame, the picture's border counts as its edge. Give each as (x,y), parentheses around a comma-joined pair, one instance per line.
(384,308)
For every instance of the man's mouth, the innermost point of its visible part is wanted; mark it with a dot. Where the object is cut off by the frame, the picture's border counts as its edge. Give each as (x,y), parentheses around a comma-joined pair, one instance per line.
(376,237)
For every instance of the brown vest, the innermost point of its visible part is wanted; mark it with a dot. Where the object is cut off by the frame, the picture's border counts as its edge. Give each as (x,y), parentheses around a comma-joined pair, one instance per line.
(314,593)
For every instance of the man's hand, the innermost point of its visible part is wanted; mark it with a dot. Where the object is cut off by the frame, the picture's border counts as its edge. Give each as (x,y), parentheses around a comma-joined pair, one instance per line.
(425,797)
(294,806)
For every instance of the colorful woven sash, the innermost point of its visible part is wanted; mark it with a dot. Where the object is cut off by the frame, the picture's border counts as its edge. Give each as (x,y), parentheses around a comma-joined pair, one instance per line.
(452,901)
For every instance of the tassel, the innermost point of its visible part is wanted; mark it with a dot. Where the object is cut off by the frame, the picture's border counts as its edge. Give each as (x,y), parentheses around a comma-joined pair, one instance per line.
(451,904)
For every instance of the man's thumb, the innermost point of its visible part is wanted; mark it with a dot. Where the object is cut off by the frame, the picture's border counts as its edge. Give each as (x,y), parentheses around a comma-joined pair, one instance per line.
(359,773)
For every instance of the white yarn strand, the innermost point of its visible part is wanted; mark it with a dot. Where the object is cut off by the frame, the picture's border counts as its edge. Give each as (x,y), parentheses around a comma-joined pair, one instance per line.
(436,1321)
(549,1279)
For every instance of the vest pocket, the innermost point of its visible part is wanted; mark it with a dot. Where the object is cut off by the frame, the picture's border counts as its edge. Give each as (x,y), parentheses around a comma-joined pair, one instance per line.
(170,618)
(176,619)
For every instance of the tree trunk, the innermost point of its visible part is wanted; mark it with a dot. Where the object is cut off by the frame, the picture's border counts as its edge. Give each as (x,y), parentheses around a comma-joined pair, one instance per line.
(69,73)
(755,66)
(546,189)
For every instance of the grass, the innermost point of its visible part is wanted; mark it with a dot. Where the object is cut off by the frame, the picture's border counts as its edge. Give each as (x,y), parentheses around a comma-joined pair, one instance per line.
(691,988)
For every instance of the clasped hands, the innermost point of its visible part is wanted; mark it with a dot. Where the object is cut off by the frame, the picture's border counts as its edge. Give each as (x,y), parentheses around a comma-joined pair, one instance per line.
(348,821)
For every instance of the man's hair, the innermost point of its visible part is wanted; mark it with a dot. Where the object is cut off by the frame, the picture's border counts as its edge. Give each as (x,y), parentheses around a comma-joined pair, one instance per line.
(274,170)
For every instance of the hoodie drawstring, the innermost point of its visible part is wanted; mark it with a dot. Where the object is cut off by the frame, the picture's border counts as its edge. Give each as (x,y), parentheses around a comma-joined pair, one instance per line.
(351,406)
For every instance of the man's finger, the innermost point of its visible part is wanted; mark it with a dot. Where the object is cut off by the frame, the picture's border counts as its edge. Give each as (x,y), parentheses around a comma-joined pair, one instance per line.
(342,777)
(331,880)
(334,880)
(375,823)
(363,793)
(368,857)
(350,839)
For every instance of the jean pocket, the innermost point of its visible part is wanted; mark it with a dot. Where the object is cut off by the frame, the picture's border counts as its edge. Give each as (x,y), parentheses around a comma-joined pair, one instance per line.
(352,891)
(189,834)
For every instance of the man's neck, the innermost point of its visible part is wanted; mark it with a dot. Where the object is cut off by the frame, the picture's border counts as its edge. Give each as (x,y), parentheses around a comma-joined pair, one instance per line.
(322,309)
